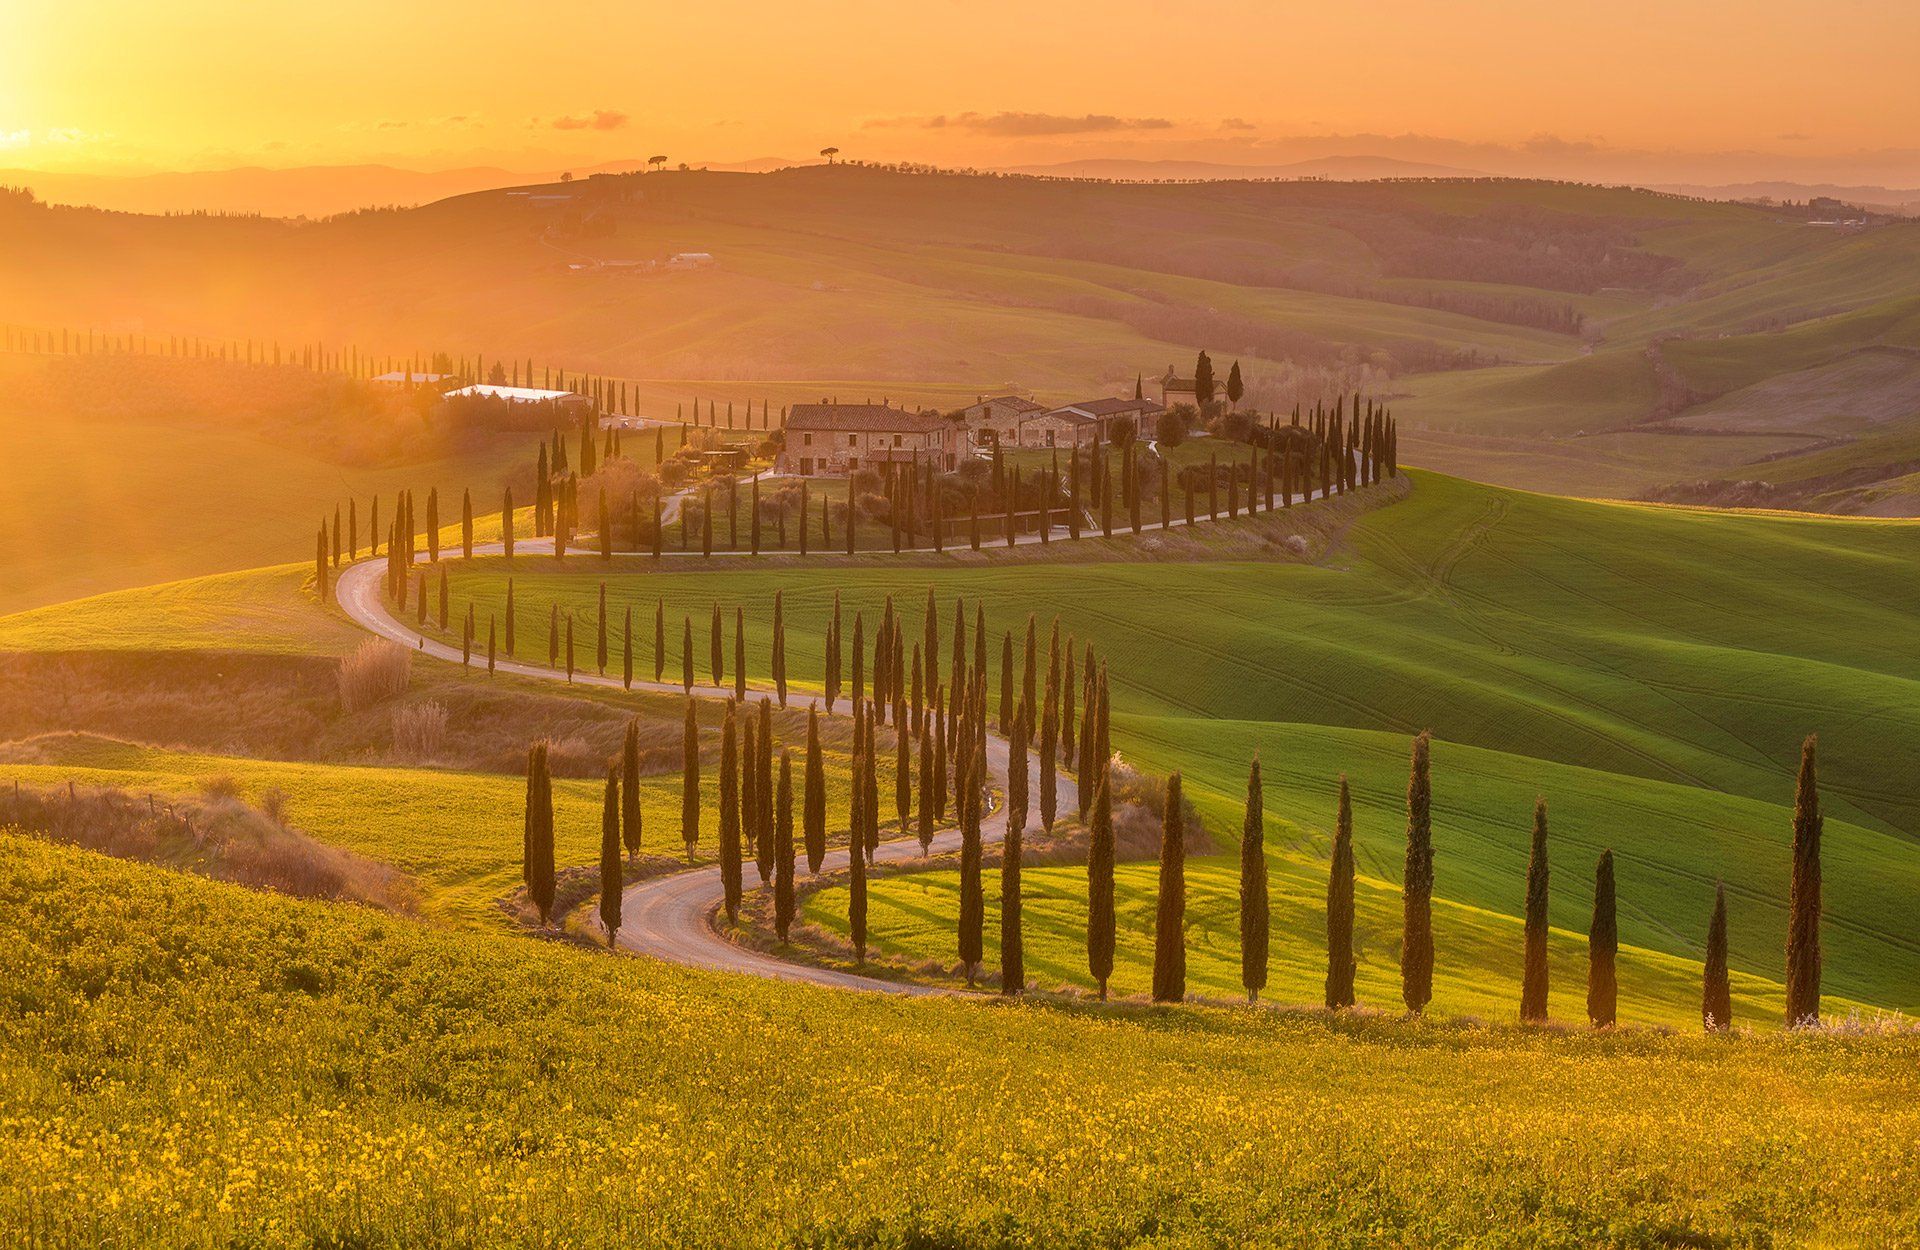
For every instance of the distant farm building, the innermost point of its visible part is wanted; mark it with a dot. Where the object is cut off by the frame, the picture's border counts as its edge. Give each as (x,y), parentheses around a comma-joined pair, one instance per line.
(407,377)
(835,440)
(1175,389)
(565,401)
(1090,415)
(690,260)
(997,420)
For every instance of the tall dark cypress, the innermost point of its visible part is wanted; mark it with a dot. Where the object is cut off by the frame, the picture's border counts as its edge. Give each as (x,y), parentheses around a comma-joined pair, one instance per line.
(730,813)
(783,896)
(1603,947)
(630,789)
(511,614)
(856,868)
(1340,951)
(686,654)
(466,524)
(626,651)
(926,786)
(814,816)
(1170,917)
(1100,914)
(1013,968)
(870,795)
(1049,768)
(1533,990)
(972,899)
(538,868)
(739,652)
(1416,890)
(610,883)
(1255,905)
(779,650)
(763,794)
(717,649)
(1803,900)
(690,781)
(1716,994)
(659,639)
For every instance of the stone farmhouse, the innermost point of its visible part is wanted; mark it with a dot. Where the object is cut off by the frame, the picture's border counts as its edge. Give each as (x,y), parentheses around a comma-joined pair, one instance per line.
(835,440)
(997,420)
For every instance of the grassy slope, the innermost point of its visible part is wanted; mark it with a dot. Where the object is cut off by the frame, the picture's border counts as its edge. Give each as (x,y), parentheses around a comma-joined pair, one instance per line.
(186,1061)
(1689,651)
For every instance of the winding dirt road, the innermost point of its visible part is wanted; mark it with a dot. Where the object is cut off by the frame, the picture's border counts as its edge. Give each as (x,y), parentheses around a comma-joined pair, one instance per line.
(671,917)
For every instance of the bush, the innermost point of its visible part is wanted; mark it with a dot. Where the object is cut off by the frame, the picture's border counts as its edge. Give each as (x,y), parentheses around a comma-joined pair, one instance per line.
(1171,427)
(419,731)
(378,669)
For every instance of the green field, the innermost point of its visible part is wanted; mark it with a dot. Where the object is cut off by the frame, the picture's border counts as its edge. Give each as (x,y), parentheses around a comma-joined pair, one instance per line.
(189,1062)
(1676,659)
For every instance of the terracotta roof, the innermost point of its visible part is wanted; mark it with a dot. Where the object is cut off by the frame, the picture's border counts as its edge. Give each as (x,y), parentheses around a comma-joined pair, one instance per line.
(1109,407)
(1019,403)
(867,418)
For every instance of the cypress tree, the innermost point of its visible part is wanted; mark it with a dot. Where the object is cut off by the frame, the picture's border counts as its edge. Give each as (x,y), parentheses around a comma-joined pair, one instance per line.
(1716,995)
(857,676)
(1603,946)
(856,870)
(1013,974)
(1533,992)
(1803,900)
(610,882)
(1170,918)
(1029,676)
(870,796)
(814,815)
(630,789)
(1006,682)
(730,814)
(490,650)
(1340,956)
(783,897)
(443,596)
(902,767)
(569,648)
(553,635)
(506,522)
(511,613)
(739,652)
(972,902)
(716,648)
(1255,906)
(779,650)
(626,651)
(1416,891)
(320,565)
(763,794)
(538,867)
(690,780)
(926,789)
(1049,768)
(466,524)
(1100,915)
(433,524)
(686,654)
(931,648)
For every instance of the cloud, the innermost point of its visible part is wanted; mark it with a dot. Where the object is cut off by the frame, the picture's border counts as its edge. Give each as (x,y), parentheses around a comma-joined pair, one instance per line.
(1793,137)
(1236,123)
(1027,125)
(599,119)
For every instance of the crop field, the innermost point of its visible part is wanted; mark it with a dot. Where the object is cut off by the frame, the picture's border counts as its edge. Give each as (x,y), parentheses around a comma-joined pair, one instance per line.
(190,1061)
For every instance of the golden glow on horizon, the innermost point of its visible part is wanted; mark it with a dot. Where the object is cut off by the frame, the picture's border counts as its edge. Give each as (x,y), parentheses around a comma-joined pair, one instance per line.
(215,83)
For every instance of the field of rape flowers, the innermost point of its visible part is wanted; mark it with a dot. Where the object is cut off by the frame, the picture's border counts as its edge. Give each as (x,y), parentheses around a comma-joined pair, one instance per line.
(188,1063)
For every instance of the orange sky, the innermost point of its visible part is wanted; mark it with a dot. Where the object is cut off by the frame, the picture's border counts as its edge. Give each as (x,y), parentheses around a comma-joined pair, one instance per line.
(1822,89)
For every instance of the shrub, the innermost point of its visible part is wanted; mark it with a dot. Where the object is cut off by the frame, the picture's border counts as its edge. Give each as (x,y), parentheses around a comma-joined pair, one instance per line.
(378,669)
(419,731)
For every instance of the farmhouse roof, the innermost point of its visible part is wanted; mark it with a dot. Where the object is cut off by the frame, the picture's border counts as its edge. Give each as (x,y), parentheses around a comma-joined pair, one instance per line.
(1108,407)
(517,394)
(868,418)
(1019,403)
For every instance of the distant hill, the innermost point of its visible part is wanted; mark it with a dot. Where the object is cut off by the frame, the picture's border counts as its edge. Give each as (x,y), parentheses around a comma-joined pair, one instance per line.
(1337,168)
(1556,336)
(1900,200)
(310,191)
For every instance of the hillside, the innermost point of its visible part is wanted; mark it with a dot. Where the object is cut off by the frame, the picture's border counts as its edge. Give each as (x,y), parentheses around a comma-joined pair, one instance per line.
(1538,334)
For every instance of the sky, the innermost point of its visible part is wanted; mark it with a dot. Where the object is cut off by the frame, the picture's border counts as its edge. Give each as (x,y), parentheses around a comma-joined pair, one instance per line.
(1680,90)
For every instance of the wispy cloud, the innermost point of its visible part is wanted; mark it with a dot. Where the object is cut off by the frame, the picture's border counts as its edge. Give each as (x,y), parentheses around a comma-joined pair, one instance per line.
(599,119)
(1026,125)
